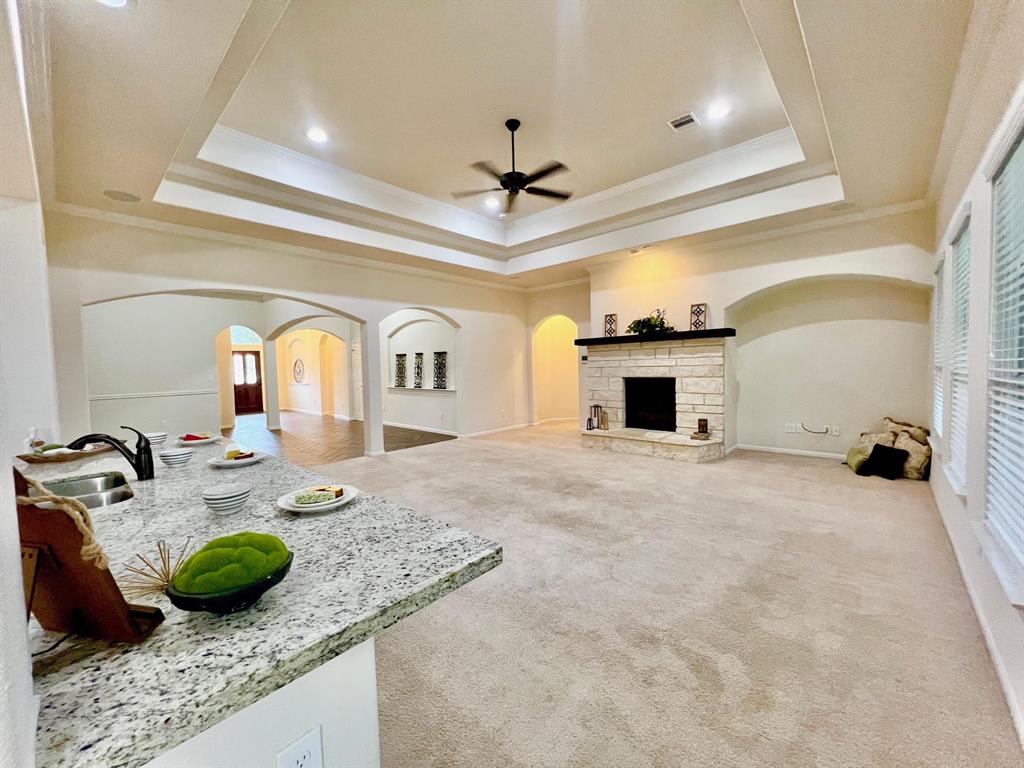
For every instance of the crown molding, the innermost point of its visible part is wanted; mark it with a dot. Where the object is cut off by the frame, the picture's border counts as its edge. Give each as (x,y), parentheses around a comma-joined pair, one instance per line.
(230,148)
(769,152)
(316,254)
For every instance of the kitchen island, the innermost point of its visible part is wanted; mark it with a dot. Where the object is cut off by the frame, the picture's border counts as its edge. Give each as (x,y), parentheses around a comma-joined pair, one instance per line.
(237,689)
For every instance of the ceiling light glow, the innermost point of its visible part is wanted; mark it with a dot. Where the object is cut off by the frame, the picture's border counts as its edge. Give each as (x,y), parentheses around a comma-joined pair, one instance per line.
(492,203)
(114,3)
(319,135)
(719,110)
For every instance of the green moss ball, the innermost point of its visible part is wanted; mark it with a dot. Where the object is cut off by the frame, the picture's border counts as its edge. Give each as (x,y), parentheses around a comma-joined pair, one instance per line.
(230,562)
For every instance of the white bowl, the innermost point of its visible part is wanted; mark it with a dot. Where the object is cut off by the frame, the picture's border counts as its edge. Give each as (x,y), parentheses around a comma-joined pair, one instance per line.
(156,438)
(226,491)
(228,510)
(176,457)
(228,498)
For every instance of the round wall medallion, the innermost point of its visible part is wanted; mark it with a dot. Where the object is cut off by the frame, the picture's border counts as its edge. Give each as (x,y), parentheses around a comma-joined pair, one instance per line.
(299,371)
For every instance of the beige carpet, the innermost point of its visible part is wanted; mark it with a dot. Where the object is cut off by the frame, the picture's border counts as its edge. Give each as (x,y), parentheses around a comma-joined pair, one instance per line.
(761,611)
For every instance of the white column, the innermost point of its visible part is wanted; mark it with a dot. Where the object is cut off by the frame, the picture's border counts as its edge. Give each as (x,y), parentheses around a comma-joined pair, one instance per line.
(373,406)
(272,406)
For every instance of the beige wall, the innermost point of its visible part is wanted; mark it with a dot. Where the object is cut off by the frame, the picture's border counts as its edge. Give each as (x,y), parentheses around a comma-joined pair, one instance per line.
(556,369)
(95,260)
(832,351)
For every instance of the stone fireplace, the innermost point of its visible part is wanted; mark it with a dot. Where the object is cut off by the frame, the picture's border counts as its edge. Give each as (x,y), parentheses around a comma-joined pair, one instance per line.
(655,390)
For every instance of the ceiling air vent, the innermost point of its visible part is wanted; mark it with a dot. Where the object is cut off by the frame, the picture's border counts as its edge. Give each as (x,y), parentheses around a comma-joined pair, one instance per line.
(678,123)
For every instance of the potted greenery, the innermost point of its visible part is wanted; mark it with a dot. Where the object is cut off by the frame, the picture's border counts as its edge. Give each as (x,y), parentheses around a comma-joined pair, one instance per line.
(652,325)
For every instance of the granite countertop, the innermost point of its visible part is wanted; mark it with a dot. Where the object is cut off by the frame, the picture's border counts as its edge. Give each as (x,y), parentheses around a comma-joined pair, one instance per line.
(356,571)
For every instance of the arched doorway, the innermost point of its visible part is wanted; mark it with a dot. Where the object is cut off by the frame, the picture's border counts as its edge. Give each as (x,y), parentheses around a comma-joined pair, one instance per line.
(555,365)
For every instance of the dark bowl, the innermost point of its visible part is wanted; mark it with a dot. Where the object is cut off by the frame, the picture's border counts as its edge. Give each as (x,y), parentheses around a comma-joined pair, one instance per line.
(232,600)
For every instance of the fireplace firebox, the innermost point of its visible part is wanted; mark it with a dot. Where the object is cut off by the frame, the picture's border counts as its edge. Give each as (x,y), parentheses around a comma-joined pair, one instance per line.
(651,403)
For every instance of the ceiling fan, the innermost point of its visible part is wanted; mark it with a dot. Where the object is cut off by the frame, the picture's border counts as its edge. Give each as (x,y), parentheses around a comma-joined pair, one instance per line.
(515,181)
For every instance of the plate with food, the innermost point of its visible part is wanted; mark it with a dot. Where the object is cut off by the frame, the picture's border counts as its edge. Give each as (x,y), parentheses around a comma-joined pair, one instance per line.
(318,498)
(197,438)
(236,455)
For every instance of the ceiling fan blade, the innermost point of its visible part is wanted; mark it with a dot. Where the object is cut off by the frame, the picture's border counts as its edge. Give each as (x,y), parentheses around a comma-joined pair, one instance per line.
(545,170)
(485,167)
(471,192)
(548,192)
(510,202)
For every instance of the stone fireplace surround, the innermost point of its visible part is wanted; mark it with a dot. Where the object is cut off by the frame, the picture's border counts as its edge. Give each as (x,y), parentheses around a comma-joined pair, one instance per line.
(694,359)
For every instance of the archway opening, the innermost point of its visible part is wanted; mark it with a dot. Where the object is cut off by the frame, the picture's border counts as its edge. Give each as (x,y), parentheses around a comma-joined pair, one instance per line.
(556,387)
(419,371)
(199,350)
(315,372)
(241,373)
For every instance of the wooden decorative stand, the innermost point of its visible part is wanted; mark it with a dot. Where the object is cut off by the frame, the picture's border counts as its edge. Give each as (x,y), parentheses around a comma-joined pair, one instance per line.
(67,593)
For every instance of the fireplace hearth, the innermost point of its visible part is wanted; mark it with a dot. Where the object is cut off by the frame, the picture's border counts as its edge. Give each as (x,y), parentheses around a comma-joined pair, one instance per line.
(651,403)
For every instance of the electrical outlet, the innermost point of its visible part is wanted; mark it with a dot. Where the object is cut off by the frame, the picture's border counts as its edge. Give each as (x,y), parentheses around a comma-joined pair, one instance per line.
(307,751)
(834,431)
(441,415)
(789,427)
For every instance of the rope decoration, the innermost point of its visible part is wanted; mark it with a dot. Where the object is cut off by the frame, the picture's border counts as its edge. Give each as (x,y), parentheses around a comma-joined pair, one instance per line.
(76,510)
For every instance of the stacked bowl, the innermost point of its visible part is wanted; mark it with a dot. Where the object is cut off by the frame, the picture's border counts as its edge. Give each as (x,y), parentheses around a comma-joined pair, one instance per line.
(156,438)
(175,457)
(228,498)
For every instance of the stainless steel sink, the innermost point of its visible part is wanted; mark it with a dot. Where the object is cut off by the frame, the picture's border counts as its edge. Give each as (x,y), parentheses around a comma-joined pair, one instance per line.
(96,490)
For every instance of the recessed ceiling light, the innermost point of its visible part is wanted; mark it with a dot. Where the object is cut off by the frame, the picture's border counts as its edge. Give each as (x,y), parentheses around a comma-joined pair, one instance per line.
(116,3)
(718,110)
(121,197)
(492,203)
(319,135)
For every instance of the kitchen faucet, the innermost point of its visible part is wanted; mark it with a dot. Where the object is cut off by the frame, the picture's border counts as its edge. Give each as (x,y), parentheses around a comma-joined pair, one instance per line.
(141,460)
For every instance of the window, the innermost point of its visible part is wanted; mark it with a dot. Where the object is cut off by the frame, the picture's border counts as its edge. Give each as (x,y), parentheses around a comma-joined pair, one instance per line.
(1004,497)
(958,358)
(239,376)
(938,352)
(250,368)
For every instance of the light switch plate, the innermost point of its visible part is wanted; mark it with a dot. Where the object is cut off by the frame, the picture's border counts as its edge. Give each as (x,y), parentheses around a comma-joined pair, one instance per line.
(307,751)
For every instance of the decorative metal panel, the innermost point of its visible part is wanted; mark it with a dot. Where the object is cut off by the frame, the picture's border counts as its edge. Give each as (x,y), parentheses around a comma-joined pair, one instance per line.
(417,371)
(440,370)
(400,371)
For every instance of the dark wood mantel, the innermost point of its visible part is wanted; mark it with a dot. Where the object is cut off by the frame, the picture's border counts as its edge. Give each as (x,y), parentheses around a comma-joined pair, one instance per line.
(707,333)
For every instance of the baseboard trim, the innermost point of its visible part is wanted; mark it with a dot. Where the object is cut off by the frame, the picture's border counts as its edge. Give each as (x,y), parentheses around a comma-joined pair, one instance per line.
(790,451)
(493,431)
(304,410)
(373,454)
(421,429)
(556,418)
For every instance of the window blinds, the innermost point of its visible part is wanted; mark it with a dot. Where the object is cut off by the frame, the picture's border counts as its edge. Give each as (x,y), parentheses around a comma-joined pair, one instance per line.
(1005,454)
(938,318)
(958,358)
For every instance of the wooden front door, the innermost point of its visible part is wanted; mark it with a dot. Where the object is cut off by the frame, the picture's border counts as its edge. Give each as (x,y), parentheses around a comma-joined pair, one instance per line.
(245,367)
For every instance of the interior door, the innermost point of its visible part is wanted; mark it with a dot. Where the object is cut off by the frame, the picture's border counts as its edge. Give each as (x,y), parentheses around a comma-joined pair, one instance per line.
(248,379)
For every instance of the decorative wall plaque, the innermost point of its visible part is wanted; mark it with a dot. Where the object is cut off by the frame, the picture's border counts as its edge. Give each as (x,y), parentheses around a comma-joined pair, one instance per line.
(611,325)
(400,370)
(440,370)
(698,317)
(417,371)
(299,371)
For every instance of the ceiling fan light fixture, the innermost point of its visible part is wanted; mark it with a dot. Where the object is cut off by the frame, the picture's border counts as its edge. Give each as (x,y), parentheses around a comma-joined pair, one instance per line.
(492,203)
